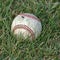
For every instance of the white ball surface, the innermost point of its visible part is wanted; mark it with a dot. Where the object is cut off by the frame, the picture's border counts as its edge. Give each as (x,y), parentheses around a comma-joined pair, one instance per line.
(26,24)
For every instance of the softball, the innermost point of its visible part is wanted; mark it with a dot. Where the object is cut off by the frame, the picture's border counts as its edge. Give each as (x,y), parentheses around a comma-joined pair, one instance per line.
(27,25)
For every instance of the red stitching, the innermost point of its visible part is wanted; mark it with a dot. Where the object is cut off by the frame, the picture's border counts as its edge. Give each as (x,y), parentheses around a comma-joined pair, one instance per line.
(26,28)
(33,17)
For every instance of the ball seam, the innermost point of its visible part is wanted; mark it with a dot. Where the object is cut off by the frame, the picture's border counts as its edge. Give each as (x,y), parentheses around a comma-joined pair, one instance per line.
(26,28)
(29,16)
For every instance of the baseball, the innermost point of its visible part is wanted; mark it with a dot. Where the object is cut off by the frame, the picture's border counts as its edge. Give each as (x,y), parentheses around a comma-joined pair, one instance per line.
(27,25)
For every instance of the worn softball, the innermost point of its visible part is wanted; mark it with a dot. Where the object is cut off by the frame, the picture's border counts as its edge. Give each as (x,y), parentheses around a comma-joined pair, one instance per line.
(27,25)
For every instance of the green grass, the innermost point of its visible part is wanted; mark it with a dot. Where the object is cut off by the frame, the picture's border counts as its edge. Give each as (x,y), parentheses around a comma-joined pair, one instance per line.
(46,46)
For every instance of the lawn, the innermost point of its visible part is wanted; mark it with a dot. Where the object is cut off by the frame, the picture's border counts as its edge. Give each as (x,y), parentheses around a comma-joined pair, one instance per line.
(46,46)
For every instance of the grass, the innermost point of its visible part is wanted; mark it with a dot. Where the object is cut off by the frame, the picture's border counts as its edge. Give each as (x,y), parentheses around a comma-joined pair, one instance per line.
(46,46)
